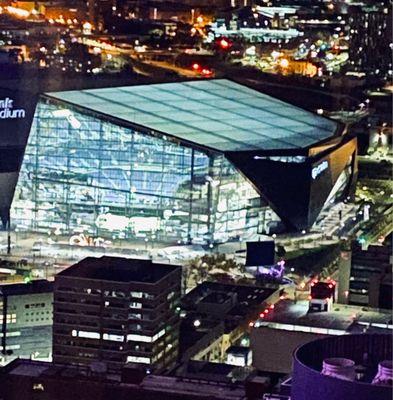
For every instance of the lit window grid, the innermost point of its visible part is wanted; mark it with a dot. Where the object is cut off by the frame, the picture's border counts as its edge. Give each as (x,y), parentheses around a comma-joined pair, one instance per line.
(71,176)
(10,319)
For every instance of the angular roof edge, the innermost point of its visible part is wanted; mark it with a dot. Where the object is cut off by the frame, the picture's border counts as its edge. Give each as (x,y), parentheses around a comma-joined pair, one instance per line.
(216,115)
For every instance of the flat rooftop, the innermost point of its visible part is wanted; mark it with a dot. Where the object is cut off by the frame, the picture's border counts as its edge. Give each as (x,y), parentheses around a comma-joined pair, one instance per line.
(197,387)
(342,318)
(216,114)
(151,387)
(119,269)
(32,287)
(216,298)
(246,300)
(246,296)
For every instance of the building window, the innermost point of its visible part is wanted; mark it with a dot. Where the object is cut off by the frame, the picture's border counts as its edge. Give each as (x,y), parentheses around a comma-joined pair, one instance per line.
(134,304)
(35,305)
(11,319)
(39,387)
(114,338)
(86,334)
(170,295)
(139,360)
(136,327)
(13,347)
(117,293)
(158,335)
(139,338)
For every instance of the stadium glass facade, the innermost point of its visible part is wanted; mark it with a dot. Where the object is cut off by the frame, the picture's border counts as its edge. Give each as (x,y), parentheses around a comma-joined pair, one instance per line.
(82,173)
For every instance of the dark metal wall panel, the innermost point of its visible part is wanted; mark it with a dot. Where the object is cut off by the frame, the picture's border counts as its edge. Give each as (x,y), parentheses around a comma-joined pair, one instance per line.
(16,115)
(8,182)
(294,190)
(285,186)
(322,185)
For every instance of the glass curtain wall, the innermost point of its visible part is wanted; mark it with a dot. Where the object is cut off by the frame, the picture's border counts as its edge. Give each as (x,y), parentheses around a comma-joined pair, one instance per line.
(84,174)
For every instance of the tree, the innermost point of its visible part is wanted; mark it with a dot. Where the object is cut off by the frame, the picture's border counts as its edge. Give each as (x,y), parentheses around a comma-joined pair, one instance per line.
(200,268)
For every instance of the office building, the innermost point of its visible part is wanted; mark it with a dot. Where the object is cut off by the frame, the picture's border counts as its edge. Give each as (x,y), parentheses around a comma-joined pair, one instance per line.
(215,316)
(117,311)
(26,313)
(192,162)
(366,275)
(370,283)
(370,37)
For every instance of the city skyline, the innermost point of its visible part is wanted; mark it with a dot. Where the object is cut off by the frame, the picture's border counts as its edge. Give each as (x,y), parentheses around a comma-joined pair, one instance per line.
(196,200)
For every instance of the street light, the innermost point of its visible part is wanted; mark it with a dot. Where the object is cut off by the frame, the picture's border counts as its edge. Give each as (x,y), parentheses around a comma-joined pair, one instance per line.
(197,323)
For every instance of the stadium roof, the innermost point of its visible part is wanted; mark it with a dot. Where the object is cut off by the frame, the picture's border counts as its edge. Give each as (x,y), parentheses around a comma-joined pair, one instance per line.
(217,114)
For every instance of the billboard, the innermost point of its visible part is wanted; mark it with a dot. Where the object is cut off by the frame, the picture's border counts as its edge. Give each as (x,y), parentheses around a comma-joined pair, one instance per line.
(260,253)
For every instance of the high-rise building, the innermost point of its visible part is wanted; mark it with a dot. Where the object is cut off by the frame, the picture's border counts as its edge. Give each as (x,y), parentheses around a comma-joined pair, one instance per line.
(117,311)
(370,280)
(26,313)
(370,37)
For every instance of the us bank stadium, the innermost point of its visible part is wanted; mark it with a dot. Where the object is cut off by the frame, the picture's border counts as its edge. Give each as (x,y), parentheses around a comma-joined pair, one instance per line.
(192,162)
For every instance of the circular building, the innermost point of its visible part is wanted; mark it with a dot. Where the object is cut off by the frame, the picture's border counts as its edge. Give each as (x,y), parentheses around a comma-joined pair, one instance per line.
(317,373)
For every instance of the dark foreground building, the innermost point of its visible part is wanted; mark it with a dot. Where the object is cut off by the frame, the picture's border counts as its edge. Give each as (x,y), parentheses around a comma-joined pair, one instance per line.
(200,161)
(32,380)
(365,351)
(116,311)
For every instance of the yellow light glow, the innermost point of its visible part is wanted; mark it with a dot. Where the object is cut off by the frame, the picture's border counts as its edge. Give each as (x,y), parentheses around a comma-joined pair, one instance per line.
(199,19)
(284,63)
(18,12)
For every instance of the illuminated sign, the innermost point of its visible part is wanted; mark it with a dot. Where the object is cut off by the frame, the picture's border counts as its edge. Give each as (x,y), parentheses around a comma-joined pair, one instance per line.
(316,171)
(7,110)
